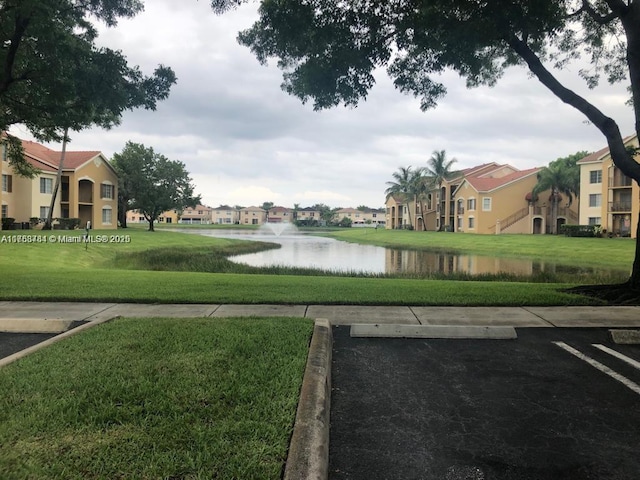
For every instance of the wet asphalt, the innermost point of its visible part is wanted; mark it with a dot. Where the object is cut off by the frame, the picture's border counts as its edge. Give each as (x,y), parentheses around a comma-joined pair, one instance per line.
(521,409)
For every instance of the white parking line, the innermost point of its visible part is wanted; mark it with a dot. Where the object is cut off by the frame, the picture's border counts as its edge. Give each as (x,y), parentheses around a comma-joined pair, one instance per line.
(624,358)
(603,368)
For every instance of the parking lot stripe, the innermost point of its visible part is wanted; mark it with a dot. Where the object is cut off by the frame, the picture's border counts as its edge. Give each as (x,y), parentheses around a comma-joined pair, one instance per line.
(603,368)
(624,358)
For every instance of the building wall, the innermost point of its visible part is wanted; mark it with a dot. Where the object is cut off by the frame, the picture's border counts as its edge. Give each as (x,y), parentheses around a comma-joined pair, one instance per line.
(253,216)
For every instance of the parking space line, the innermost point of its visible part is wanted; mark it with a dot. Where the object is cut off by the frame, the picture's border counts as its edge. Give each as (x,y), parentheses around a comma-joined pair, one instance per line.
(603,368)
(624,358)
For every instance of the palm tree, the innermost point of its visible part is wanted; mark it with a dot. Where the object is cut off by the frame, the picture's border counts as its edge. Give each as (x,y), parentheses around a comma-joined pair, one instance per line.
(408,184)
(559,178)
(439,170)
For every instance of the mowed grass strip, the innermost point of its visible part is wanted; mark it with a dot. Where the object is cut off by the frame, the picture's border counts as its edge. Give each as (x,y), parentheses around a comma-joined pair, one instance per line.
(156,398)
(603,252)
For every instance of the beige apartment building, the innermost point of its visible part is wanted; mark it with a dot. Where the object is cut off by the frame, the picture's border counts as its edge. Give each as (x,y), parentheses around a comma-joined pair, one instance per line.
(608,197)
(487,199)
(88,189)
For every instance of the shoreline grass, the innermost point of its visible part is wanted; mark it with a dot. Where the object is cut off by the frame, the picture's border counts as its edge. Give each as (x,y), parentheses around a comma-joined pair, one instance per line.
(149,398)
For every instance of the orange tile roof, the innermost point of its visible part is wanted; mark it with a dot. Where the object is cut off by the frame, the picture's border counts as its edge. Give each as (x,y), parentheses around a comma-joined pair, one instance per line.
(485,184)
(43,155)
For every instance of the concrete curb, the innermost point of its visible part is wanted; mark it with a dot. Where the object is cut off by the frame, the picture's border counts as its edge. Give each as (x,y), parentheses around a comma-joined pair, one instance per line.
(34,325)
(432,331)
(308,457)
(23,353)
(625,337)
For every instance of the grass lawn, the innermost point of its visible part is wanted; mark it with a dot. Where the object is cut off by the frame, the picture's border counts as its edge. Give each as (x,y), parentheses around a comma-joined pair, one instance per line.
(124,271)
(591,252)
(156,398)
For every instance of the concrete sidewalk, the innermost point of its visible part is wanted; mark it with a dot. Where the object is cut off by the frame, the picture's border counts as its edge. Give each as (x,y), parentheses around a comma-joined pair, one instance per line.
(518,317)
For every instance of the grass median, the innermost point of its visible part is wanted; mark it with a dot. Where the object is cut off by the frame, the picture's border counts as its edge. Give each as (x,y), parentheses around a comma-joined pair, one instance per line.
(156,398)
(170,267)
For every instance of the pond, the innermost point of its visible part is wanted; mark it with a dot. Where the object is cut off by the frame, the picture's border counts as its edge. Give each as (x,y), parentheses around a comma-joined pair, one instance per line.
(309,251)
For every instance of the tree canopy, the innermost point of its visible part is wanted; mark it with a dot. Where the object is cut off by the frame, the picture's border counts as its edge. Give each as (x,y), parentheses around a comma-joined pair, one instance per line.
(151,183)
(54,76)
(329,50)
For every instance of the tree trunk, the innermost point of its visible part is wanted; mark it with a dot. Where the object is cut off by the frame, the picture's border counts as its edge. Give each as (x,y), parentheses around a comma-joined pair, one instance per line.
(122,216)
(54,193)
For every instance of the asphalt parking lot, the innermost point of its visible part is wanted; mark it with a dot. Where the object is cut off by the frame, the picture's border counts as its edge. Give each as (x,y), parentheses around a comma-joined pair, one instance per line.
(538,407)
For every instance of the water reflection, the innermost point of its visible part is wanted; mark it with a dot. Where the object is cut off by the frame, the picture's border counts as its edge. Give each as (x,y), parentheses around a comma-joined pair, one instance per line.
(309,251)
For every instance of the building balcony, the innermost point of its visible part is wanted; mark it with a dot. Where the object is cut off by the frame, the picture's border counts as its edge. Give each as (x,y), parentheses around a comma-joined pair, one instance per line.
(619,181)
(619,207)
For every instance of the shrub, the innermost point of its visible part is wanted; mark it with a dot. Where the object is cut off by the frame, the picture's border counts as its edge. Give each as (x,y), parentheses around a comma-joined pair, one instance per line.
(68,223)
(7,223)
(581,230)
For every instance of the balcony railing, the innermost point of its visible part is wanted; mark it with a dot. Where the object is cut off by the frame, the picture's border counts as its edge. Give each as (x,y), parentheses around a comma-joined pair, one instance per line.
(619,206)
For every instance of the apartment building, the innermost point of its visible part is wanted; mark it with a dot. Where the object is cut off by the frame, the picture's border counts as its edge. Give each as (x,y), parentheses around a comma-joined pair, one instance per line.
(607,196)
(487,199)
(168,217)
(88,189)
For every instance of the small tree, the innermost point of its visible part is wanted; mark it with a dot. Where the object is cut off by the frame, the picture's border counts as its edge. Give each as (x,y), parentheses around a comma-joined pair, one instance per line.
(153,184)
(409,185)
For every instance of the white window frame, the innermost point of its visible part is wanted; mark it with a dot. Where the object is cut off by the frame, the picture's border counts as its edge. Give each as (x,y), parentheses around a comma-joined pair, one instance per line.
(598,175)
(472,223)
(595,221)
(46,184)
(44,212)
(105,220)
(107,191)
(486,204)
(471,204)
(595,200)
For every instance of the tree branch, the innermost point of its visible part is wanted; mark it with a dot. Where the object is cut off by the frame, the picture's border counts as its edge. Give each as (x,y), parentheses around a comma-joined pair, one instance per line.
(604,19)
(606,125)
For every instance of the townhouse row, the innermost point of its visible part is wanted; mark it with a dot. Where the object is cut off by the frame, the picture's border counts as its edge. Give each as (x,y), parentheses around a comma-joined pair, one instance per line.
(88,188)
(493,199)
(226,215)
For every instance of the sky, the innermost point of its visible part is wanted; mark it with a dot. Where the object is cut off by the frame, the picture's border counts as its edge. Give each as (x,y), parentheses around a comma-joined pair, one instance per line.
(246,142)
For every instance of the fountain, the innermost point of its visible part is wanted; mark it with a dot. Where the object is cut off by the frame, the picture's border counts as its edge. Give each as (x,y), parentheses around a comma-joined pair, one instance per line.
(277,229)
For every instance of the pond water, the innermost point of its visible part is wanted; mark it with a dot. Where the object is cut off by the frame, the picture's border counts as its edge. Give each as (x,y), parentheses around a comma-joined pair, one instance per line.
(310,251)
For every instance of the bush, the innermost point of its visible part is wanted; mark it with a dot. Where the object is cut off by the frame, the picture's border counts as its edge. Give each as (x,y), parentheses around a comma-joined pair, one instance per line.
(7,223)
(581,230)
(68,223)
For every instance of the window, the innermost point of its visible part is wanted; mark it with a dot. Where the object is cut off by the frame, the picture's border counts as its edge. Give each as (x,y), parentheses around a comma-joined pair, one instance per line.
(459,223)
(595,220)
(106,215)
(46,185)
(486,204)
(6,183)
(44,212)
(595,176)
(106,191)
(471,204)
(5,211)
(4,154)
(595,199)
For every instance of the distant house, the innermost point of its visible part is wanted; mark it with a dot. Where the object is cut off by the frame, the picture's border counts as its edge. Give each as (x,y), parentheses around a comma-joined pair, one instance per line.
(362,217)
(168,217)
(307,216)
(225,215)
(252,216)
(88,189)
(280,215)
(608,197)
(200,214)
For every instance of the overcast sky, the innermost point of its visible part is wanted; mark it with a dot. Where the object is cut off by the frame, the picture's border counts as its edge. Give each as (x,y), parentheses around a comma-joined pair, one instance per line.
(246,142)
